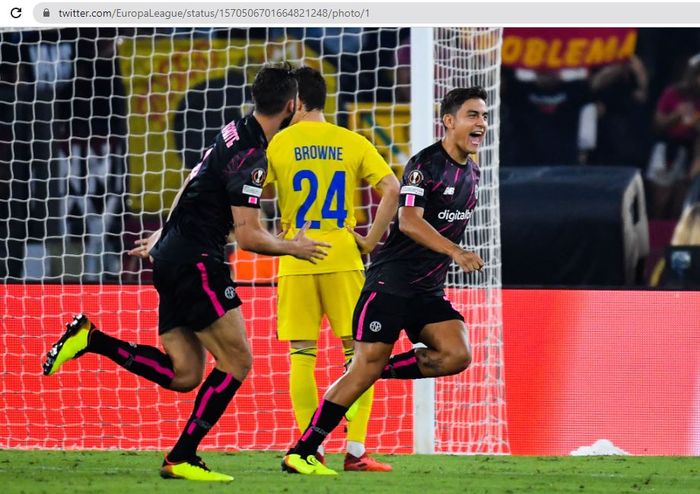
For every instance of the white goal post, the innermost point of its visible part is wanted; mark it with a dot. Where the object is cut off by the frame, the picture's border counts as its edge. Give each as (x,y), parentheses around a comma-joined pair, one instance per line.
(422,125)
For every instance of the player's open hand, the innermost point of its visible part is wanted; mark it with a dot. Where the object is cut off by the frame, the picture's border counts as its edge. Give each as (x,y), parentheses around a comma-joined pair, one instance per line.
(468,261)
(145,245)
(308,249)
(363,243)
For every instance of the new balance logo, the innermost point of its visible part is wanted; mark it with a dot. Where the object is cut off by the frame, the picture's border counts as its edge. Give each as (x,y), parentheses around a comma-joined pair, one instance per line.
(449,191)
(451,216)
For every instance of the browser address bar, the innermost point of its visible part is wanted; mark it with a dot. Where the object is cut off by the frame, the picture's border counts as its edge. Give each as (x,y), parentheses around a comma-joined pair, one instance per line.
(228,13)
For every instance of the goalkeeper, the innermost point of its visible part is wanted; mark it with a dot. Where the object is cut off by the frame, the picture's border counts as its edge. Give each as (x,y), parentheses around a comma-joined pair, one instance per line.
(199,308)
(318,167)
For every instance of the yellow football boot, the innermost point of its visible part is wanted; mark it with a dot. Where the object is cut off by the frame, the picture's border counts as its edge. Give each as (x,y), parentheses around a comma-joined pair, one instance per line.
(71,345)
(294,463)
(194,469)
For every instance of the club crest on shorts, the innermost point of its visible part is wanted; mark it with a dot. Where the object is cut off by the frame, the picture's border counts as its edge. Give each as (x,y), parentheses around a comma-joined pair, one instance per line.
(415,177)
(375,326)
(258,176)
(229,293)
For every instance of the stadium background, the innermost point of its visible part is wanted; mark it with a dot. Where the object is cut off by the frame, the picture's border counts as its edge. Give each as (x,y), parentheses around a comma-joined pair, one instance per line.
(581,364)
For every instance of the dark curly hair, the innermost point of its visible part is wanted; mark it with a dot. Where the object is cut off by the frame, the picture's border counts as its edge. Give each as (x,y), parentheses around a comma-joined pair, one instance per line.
(273,87)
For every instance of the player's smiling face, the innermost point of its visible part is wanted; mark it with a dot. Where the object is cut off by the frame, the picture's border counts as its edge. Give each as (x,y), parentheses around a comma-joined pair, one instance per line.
(468,125)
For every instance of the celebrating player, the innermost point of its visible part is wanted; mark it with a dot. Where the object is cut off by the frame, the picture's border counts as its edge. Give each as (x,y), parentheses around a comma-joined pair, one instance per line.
(405,284)
(199,307)
(318,167)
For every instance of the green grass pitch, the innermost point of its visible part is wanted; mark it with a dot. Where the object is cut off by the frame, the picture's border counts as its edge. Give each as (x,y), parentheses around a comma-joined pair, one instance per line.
(129,472)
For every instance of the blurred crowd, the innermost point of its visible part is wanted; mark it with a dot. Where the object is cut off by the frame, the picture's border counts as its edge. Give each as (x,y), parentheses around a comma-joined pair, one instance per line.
(644,113)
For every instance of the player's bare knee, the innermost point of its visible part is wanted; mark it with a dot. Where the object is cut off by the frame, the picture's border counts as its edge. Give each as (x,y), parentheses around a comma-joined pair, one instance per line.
(460,358)
(185,382)
(237,363)
(244,366)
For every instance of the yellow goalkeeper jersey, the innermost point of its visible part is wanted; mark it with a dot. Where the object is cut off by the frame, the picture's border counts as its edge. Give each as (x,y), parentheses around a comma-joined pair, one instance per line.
(317,167)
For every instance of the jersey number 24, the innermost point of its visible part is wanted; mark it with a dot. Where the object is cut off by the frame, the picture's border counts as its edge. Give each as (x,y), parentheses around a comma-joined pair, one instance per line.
(336,190)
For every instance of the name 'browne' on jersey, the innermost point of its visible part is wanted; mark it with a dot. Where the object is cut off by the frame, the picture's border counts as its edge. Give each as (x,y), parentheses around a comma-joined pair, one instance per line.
(231,173)
(324,164)
(448,192)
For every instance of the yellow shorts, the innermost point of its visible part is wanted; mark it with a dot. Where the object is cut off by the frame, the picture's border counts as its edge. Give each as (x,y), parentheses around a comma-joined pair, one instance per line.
(303,299)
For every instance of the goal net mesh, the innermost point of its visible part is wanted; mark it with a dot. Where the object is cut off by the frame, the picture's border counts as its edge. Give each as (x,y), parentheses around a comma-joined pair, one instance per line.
(98,128)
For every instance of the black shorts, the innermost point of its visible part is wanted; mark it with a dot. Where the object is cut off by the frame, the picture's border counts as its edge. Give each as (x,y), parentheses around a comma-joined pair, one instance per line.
(381,316)
(193,296)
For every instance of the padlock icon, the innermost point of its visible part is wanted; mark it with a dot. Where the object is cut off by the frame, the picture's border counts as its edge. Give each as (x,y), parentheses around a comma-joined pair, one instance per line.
(47,13)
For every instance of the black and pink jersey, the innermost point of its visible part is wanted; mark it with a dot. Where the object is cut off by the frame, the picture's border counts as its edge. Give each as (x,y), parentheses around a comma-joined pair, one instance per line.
(231,173)
(448,192)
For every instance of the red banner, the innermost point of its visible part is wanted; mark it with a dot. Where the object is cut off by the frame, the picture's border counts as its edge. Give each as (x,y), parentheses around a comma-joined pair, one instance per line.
(618,365)
(579,366)
(563,48)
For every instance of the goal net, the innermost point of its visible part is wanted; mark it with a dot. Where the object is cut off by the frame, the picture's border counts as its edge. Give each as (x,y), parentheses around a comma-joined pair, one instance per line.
(99,127)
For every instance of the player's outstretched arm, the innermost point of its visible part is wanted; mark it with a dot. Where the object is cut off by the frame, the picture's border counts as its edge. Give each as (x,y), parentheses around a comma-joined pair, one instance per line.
(388,187)
(413,225)
(251,236)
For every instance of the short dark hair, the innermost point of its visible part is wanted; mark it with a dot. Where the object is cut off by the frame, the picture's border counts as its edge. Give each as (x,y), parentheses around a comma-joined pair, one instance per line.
(273,87)
(312,88)
(454,100)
